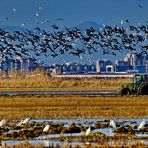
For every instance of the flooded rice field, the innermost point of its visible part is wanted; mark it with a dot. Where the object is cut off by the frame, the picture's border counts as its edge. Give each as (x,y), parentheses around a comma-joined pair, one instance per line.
(74,131)
(13,93)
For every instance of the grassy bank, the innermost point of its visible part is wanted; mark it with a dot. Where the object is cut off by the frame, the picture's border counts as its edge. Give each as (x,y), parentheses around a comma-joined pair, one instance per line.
(39,80)
(74,106)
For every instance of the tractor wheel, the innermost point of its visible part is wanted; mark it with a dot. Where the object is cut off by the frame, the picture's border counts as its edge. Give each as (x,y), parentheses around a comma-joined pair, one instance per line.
(144,89)
(125,91)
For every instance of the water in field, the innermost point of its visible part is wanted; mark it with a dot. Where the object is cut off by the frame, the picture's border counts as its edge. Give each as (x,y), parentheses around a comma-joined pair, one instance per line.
(45,139)
(12,93)
(48,143)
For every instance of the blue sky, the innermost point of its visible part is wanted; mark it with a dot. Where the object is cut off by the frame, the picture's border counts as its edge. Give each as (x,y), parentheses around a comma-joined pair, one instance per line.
(73,12)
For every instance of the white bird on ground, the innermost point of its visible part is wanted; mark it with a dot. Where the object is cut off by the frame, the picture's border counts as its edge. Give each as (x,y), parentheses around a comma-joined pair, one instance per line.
(46,128)
(26,121)
(112,123)
(141,125)
(88,131)
(20,123)
(3,122)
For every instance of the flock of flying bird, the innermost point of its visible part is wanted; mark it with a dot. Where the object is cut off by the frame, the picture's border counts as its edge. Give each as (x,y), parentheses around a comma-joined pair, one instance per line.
(36,43)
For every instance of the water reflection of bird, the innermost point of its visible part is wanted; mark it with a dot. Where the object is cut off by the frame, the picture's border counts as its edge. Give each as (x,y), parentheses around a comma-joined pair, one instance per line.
(46,143)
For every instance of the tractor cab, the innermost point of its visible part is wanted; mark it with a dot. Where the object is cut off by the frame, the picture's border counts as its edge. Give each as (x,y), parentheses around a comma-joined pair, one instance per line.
(140,78)
(138,86)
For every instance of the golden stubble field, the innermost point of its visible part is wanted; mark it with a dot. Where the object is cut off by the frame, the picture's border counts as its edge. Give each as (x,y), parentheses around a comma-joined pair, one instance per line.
(73,106)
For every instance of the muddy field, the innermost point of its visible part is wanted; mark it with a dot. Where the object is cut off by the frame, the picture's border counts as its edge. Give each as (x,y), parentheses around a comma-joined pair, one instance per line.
(69,116)
(77,112)
(72,106)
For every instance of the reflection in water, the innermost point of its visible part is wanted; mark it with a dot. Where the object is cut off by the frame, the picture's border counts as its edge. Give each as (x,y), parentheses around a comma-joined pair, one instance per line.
(48,143)
(11,93)
(107,131)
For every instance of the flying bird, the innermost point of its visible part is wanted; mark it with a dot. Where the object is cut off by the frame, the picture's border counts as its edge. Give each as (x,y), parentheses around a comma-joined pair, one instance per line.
(36,14)
(59,19)
(140,6)
(6,19)
(14,10)
(39,8)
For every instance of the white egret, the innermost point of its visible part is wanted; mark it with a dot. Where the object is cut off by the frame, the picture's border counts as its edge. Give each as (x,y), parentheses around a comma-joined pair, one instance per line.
(46,128)
(26,121)
(141,125)
(112,123)
(20,123)
(3,122)
(88,131)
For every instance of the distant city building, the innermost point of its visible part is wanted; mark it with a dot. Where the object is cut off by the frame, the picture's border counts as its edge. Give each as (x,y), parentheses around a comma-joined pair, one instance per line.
(101,66)
(131,63)
(18,64)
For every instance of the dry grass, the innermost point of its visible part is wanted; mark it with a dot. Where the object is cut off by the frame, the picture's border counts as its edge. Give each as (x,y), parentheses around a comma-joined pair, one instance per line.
(39,80)
(74,106)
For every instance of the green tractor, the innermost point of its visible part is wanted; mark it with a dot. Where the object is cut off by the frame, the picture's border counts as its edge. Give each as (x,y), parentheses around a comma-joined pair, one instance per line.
(138,87)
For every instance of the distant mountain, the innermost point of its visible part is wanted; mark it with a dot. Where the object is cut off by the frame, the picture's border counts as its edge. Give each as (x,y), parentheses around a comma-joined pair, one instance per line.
(88,24)
(81,26)
(12,28)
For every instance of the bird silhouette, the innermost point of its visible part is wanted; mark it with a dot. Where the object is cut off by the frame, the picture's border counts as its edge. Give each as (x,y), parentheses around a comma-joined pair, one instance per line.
(35,42)
(139,6)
